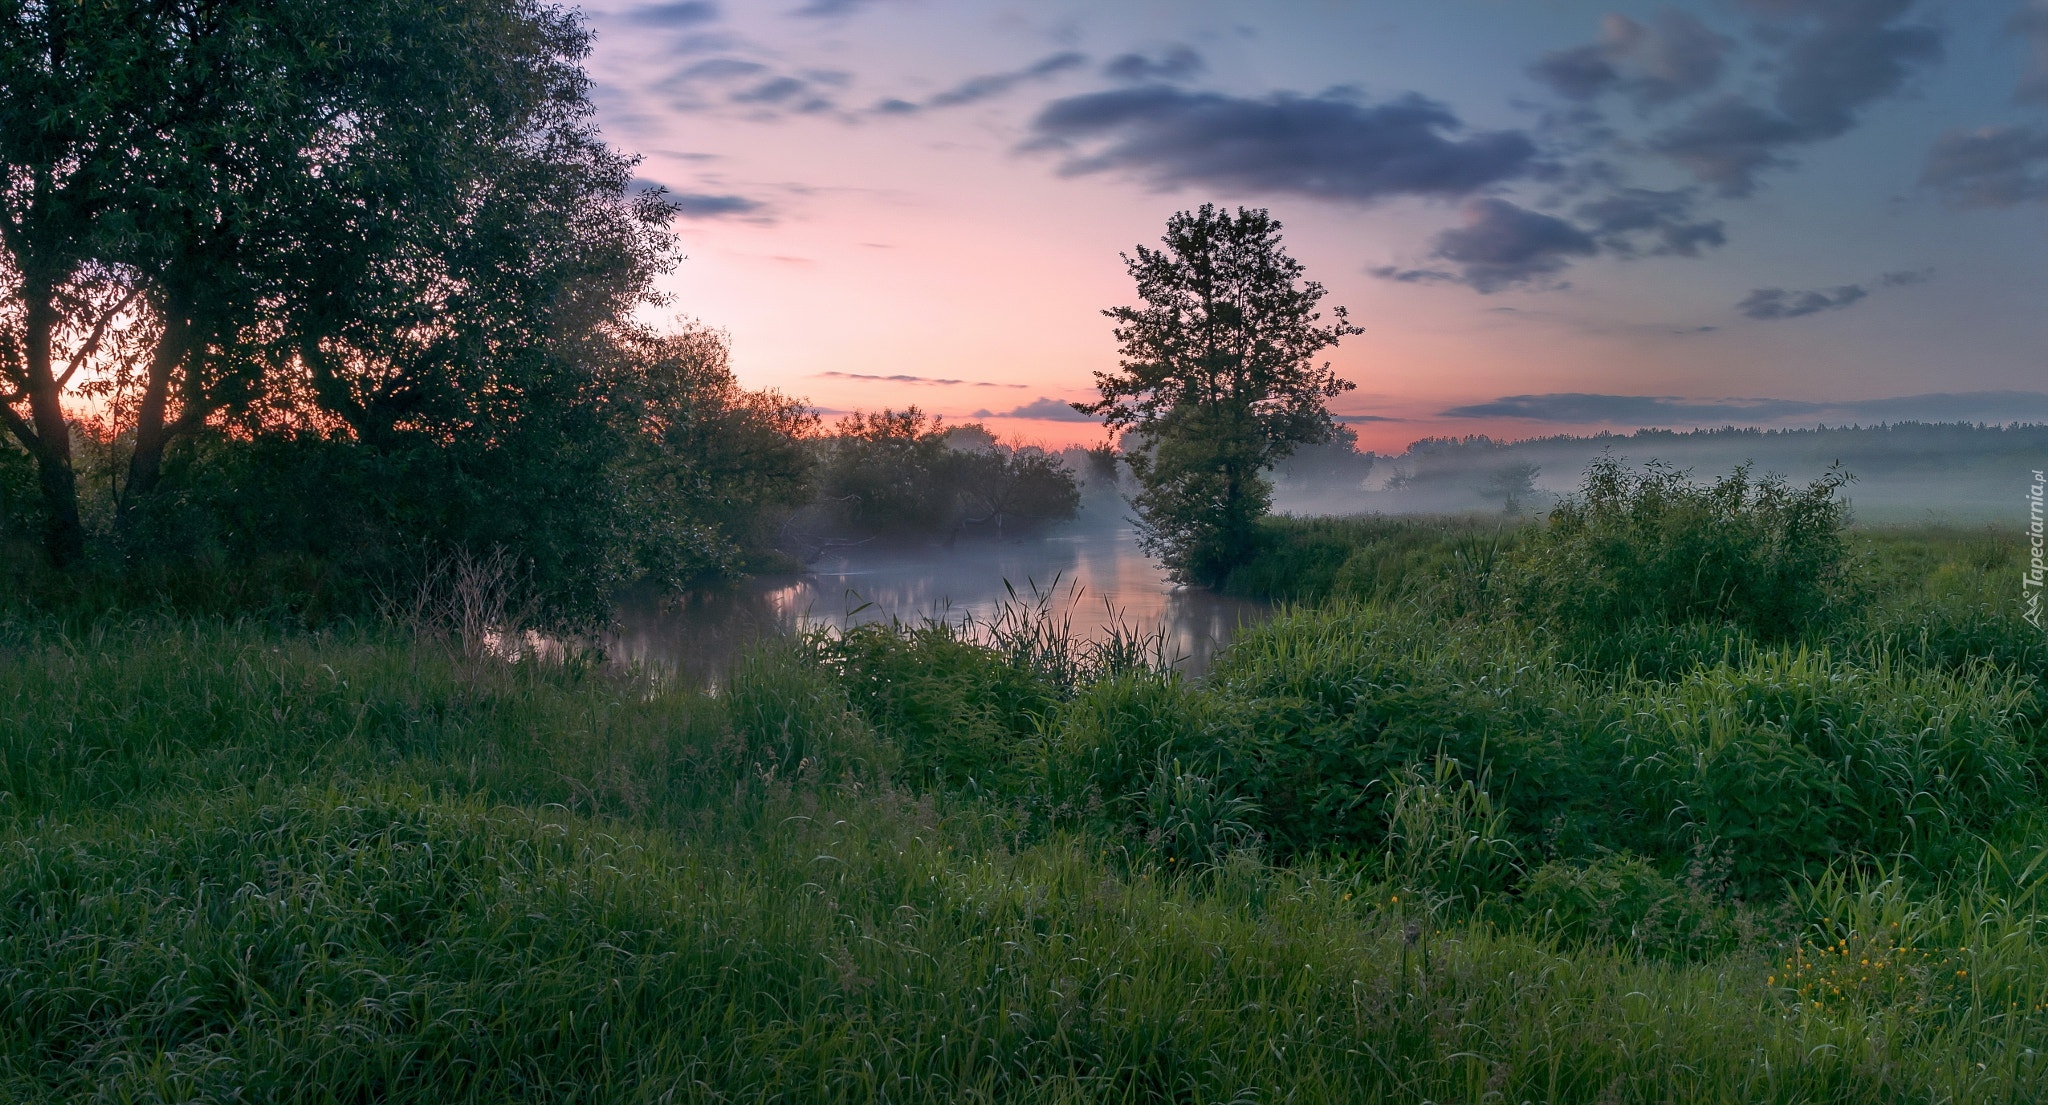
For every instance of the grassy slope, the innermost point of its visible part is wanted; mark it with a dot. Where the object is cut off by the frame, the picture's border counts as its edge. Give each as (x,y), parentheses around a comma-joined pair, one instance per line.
(236,862)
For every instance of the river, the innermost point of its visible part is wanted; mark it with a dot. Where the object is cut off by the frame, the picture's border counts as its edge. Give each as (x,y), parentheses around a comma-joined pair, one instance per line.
(1093,576)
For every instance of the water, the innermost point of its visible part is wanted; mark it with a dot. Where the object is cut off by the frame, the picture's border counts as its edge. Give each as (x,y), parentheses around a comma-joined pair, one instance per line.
(1096,576)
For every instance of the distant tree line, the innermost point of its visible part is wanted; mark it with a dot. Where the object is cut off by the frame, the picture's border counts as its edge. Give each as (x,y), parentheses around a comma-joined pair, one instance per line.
(902,473)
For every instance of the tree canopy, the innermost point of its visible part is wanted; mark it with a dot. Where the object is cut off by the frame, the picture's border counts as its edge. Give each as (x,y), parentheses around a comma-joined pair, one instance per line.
(375,254)
(1217,378)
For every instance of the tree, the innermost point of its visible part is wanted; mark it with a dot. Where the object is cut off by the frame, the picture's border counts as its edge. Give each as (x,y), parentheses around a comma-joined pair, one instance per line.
(1217,380)
(391,219)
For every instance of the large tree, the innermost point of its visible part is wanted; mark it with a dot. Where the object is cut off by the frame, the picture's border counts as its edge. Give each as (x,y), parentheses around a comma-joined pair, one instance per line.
(390,218)
(1216,380)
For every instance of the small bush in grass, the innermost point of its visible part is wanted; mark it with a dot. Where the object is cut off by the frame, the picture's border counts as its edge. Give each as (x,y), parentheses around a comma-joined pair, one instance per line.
(1793,759)
(959,713)
(1648,544)
(796,724)
(1626,901)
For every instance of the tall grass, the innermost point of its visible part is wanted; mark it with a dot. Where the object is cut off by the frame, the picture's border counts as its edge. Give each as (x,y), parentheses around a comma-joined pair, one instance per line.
(1383,853)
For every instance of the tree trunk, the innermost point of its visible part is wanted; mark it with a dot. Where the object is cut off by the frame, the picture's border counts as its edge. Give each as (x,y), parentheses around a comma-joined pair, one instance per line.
(49,438)
(153,429)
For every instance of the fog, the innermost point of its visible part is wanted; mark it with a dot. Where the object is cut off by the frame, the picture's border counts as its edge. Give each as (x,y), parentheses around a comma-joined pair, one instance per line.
(1908,473)
(1091,574)
(1088,574)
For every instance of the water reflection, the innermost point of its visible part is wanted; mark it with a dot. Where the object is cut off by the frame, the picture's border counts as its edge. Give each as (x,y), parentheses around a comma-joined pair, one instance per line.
(1096,577)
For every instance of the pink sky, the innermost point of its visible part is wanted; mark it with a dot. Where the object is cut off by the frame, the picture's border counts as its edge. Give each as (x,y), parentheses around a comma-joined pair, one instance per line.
(840,244)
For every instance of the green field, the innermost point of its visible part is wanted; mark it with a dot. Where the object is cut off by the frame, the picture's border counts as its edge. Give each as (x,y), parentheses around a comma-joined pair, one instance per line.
(1405,843)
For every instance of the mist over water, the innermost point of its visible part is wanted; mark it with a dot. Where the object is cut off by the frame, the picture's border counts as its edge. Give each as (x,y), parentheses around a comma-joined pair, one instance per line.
(1090,572)
(1904,473)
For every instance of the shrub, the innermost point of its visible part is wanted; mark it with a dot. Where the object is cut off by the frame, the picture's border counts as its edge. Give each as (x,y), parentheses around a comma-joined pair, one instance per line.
(1625,900)
(959,713)
(1792,759)
(1649,545)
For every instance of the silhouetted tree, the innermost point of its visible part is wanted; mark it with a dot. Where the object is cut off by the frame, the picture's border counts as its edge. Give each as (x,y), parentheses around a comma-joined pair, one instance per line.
(393,219)
(1217,379)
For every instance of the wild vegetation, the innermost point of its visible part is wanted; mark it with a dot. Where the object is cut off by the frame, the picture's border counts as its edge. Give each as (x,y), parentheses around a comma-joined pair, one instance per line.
(327,412)
(1420,839)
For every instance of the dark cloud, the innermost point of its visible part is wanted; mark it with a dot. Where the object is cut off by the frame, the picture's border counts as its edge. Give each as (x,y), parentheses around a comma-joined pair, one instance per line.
(827,9)
(1175,63)
(1906,277)
(721,69)
(1580,73)
(1837,57)
(1359,418)
(1776,303)
(1051,410)
(1413,276)
(712,82)
(701,205)
(2031,24)
(1728,142)
(976,89)
(1661,410)
(1674,57)
(688,13)
(1640,409)
(1989,167)
(900,379)
(774,90)
(1329,146)
(1633,221)
(1501,245)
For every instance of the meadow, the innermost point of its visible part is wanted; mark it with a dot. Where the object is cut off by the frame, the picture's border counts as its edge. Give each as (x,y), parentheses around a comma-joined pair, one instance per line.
(1699,799)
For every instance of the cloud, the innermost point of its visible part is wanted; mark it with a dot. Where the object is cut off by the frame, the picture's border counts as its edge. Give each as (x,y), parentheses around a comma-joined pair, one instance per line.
(720,69)
(1651,410)
(1989,167)
(829,9)
(990,85)
(1364,418)
(701,205)
(1777,303)
(1502,245)
(687,13)
(901,379)
(1328,146)
(1573,406)
(2031,24)
(1623,220)
(1050,410)
(1906,277)
(1676,57)
(1413,276)
(1838,57)
(1176,63)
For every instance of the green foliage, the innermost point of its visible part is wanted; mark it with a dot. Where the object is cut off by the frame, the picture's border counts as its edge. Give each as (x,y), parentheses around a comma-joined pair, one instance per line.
(1624,900)
(1793,759)
(901,473)
(959,712)
(1445,833)
(1648,545)
(302,866)
(1217,379)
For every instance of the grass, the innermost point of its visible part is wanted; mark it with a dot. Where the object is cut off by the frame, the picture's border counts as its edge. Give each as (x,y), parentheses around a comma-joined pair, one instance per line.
(1384,853)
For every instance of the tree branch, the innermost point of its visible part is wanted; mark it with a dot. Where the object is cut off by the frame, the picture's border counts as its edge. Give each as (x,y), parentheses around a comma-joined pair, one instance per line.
(99,333)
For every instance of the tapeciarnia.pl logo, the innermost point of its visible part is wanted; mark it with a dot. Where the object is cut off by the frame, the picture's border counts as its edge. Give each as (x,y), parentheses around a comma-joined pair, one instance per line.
(2031,582)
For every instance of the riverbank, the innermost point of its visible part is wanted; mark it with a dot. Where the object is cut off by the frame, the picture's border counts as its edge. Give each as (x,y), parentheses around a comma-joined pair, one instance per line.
(359,864)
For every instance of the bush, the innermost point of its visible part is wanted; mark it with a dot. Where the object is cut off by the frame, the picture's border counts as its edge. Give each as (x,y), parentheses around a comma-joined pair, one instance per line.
(1624,900)
(1649,545)
(1792,759)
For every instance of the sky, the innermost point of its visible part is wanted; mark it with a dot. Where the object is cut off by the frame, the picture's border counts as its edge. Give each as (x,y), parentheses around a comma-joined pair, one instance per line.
(1548,216)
